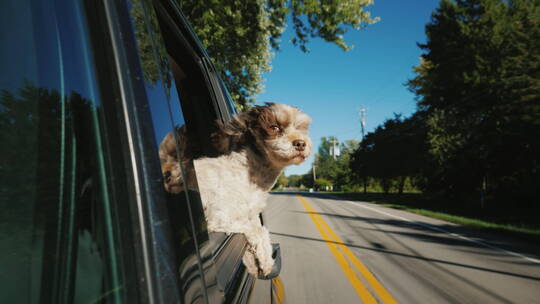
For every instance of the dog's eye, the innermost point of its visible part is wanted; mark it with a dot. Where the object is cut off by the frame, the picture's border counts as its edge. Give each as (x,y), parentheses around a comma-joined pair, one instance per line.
(275,128)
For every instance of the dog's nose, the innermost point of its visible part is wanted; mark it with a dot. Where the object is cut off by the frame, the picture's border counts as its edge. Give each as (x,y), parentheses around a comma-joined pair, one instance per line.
(167,176)
(299,145)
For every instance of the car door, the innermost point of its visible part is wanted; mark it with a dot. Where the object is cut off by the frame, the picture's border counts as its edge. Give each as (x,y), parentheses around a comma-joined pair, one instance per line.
(85,100)
(89,91)
(69,206)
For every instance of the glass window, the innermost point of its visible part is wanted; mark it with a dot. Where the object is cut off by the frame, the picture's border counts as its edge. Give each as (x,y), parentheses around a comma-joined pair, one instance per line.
(59,240)
(174,133)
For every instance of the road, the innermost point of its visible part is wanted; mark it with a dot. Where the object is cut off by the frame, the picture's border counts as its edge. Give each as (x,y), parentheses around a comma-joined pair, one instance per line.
(338,251)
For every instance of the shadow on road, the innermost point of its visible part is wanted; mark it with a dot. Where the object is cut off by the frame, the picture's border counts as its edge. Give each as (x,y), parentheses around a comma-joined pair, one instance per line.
(412,256)
(439,233)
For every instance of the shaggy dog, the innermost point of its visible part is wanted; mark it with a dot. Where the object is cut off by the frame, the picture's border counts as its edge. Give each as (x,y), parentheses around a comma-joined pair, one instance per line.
(255,147)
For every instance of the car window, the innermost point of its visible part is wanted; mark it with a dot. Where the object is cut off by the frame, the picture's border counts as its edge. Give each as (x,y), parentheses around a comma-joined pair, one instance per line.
(59,241)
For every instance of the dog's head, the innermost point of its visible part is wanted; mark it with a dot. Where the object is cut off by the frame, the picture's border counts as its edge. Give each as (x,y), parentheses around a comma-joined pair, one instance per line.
(279,131)
(169,148)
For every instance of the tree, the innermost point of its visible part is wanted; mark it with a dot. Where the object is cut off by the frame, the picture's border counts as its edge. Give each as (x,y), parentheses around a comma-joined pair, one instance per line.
(393,153)
(239,34)
(335,169)
(479,86)
(294,180)
(281,182)
(322,184)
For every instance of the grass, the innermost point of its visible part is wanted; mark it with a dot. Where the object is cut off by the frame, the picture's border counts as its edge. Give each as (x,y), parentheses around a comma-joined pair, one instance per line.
(520,222)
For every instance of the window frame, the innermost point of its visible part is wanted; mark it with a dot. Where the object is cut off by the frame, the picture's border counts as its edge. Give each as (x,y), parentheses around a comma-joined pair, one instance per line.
(152,243)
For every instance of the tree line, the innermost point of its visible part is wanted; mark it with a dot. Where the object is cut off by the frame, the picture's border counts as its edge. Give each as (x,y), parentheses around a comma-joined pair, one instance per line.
(478,89)
(476,131)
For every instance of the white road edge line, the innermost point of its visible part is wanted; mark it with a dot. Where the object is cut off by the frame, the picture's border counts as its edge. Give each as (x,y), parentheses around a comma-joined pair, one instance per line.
(451,233)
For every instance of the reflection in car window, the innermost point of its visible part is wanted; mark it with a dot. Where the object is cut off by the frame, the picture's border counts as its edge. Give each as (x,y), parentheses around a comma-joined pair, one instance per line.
(170,130)
(57,242)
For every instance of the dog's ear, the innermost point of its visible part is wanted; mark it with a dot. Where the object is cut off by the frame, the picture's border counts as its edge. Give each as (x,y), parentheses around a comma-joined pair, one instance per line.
(231,135)
(261,118)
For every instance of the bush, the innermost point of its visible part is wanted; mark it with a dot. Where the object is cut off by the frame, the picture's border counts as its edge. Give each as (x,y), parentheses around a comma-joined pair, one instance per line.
(322,184)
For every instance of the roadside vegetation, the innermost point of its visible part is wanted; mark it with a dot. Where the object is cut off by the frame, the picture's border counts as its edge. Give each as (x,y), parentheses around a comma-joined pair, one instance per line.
(521,222)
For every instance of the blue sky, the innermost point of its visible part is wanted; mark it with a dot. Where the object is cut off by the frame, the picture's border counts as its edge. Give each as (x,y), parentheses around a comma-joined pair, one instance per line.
(332,85)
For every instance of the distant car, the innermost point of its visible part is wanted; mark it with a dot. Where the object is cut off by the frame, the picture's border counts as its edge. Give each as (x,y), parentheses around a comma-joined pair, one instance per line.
(87,91)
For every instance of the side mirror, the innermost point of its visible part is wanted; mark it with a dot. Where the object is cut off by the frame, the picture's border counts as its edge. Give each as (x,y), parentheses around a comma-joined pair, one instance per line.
(276,269)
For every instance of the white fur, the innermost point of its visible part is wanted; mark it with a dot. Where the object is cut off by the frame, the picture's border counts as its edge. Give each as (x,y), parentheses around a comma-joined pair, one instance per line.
(232,204)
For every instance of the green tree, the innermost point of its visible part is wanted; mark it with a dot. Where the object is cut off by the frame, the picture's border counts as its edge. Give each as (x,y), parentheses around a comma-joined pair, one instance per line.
(294,180)
(392,154)
(281,182)
(239,34)
(479,85)
(322,184)
(306,180)
(335,169)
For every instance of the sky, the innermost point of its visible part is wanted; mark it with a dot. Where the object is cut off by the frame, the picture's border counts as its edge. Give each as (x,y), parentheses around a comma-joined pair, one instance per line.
(331,85)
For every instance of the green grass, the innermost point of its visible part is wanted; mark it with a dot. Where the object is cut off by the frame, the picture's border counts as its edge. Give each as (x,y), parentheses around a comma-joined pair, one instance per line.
(517,222)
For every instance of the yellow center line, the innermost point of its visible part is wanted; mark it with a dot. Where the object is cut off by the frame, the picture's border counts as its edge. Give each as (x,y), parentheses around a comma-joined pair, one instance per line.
(278,290)
(382,293)
(334,242)
(360,289)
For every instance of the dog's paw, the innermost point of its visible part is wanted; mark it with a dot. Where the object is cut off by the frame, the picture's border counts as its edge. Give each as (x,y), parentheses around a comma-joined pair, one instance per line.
(257,267)
(265,271)
(276,267)
(266,266)
(250,262)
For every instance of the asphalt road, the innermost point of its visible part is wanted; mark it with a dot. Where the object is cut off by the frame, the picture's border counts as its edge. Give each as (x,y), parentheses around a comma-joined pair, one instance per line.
(338,251)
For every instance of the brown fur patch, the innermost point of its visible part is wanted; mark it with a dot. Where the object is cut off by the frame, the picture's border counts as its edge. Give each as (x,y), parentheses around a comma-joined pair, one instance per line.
(263,120)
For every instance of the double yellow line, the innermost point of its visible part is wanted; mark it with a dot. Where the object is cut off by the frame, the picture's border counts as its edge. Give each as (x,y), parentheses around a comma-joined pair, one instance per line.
(341,252)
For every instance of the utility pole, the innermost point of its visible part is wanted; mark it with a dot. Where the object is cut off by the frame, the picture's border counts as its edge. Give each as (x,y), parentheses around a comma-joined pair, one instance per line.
(333,150)
(363,128)
(313,167)
(314,174)
(363,121)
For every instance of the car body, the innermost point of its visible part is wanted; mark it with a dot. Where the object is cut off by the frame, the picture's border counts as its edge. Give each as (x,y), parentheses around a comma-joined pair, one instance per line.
(87,91)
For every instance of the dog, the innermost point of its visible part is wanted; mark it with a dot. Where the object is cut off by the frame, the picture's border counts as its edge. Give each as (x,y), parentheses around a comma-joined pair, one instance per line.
(254,148)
